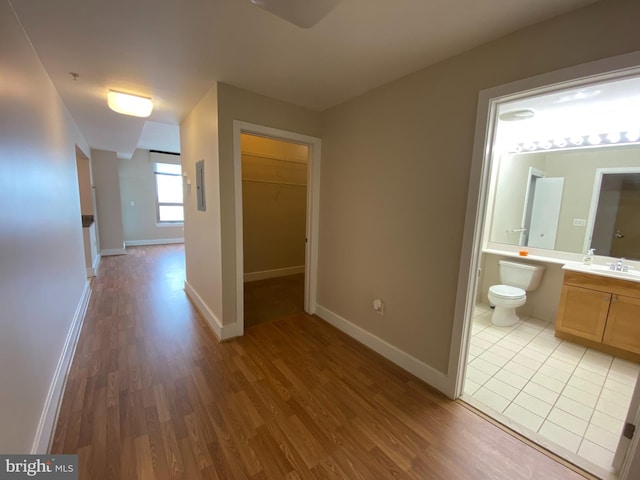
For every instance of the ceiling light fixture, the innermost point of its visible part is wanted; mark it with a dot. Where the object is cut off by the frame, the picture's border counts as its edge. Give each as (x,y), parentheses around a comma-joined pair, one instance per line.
(128,104)
(517,115)
(303,14)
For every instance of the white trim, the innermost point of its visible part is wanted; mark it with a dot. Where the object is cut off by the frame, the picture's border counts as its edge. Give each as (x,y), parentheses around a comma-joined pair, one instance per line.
(51,409)
(159,241)
(107,252)
(313,210)
(96,262)
(430,375)
(275,273)
(622,66)
(222,332)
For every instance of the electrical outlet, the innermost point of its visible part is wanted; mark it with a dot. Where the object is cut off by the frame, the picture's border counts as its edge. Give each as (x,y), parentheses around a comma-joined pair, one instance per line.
(579,222)
(378,306)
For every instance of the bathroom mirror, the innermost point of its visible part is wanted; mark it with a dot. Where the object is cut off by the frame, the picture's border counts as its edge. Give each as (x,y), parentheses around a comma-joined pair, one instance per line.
(569,200)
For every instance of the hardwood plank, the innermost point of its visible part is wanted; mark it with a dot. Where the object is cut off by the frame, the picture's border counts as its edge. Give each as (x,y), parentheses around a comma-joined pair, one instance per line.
(152,395)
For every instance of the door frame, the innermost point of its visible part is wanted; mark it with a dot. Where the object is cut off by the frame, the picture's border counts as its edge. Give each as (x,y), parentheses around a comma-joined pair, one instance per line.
(614,68)
(595,198)
(312,214)
(534,174)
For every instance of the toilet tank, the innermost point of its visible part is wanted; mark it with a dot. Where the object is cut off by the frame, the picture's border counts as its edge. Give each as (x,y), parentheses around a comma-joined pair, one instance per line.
(521,275)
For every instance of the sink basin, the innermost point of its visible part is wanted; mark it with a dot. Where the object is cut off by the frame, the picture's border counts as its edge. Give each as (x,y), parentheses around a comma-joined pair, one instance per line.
(604,271)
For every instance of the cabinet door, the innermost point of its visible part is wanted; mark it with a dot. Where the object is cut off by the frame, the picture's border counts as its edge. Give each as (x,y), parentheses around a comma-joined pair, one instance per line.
(583,312)
(623,324)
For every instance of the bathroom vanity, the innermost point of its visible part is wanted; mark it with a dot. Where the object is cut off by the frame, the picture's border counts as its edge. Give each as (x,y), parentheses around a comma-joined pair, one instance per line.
(600,309)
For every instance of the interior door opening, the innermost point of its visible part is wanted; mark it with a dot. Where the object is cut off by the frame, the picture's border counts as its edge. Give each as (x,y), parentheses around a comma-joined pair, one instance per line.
(279,179)
(525,376)
(274,202)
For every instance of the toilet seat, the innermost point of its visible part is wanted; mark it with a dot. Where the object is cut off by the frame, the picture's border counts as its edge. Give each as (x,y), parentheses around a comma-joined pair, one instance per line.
(507,292)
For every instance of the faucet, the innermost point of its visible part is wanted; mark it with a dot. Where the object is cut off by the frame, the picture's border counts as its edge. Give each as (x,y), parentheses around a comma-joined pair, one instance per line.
(619,266)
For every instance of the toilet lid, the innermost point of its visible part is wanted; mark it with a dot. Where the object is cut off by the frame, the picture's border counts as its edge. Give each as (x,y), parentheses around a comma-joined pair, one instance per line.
(505,291)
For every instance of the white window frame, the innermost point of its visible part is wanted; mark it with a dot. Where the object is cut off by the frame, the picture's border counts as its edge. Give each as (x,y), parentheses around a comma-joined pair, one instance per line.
(168,204)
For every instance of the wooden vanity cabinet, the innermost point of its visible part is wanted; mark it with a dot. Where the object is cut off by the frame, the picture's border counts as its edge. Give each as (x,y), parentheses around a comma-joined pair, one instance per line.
(600,312)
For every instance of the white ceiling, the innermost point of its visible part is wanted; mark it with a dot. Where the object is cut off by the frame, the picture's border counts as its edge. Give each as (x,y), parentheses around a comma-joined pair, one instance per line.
(174,51)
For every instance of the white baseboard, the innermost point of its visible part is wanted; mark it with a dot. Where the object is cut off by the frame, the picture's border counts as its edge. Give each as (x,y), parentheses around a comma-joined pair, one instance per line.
(161,241)
(49,416)
(223,332)
(278,272)
(106,252)
(91,271)
(428,374)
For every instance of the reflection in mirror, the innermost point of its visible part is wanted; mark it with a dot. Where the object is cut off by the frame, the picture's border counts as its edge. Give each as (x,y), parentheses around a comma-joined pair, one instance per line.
(546,200)
(616,226)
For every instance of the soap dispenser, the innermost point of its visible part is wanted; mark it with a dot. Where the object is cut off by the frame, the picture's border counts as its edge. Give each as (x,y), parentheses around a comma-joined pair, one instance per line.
(588,258)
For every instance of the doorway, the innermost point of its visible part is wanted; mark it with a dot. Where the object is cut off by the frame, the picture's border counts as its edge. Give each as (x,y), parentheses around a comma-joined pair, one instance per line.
(274,197)
(87,212)
(276,181)
(477,235)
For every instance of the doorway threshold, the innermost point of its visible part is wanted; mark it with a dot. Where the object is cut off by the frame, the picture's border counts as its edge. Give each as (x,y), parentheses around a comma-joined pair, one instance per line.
(561,455)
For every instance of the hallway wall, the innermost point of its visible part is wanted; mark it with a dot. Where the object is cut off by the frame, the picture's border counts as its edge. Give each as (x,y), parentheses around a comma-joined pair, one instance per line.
(42,268)
(395,176)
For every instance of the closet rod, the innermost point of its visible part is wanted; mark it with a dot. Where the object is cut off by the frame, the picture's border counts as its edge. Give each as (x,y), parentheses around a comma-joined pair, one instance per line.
(299,162)
(275,183)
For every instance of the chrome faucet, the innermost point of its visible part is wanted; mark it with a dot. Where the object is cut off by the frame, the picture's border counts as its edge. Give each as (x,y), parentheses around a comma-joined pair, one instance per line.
(619,266)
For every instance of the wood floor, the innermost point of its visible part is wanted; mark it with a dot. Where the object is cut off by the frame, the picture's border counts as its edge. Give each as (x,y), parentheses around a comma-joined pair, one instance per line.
(152,395)
(273,298)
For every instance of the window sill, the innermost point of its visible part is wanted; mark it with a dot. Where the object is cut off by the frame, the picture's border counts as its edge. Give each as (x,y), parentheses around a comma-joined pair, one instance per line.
(169,224)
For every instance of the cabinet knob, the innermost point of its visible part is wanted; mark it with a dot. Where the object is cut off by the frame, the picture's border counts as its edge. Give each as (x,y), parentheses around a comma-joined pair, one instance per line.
(614,299)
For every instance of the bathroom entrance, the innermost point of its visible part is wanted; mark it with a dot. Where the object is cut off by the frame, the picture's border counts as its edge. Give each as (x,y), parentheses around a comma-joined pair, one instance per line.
(573,398)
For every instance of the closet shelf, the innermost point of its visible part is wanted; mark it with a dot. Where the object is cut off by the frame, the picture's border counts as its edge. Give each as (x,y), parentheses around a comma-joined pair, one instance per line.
(273,182)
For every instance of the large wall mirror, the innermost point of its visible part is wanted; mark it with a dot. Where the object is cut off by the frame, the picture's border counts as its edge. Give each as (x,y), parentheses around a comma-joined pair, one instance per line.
(566,171)
(570,200)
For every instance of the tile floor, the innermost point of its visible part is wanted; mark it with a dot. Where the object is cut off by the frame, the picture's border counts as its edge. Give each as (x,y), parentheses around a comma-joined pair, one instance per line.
(571,395)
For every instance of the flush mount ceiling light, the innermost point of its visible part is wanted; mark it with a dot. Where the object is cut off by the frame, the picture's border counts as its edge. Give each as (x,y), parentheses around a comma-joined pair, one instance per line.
(129,104)
(303,13)
(517,115)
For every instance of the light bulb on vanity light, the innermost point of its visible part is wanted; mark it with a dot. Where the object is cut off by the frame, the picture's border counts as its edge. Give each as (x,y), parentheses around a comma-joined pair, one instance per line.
(576,140)
(633,135)
(128,104)
(594,139)
(613,137)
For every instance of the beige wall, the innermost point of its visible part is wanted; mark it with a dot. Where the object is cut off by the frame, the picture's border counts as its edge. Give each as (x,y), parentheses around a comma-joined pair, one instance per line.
(511,189)
(395,171)
(108,211)
(238,104)
(199,141)
(42,269)
(274,200)
(137,185)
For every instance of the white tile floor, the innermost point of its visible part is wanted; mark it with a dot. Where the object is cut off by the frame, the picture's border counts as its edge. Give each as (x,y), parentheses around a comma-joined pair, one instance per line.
(573,396)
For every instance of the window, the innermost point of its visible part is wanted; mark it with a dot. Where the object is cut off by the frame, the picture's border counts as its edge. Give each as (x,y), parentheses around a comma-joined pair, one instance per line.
(170,208)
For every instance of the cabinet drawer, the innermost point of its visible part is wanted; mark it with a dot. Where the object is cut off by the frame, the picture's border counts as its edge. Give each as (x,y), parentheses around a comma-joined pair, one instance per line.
(603,284)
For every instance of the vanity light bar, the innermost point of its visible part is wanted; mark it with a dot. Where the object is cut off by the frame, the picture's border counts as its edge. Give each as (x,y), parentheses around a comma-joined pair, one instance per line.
(592,140)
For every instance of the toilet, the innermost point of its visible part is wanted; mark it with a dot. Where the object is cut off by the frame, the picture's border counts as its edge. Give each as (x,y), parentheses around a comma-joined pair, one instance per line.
(517,279)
